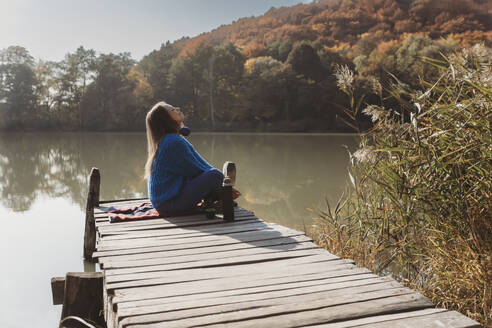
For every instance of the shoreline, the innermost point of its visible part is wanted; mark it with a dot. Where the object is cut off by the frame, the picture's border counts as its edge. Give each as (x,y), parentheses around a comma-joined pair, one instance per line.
(197,132)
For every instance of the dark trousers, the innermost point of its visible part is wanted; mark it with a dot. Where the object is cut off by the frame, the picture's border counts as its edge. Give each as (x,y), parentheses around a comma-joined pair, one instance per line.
(206,185)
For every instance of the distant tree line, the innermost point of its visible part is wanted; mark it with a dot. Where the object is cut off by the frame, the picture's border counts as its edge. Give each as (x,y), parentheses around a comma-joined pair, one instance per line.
(291,87)
(228,80)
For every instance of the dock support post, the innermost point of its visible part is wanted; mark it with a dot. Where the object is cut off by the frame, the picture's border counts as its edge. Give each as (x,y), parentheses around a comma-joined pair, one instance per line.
(57,289)
(90,222)
(83,298)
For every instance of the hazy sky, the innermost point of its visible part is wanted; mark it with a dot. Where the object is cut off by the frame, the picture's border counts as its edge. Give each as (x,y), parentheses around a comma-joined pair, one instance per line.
(51,28)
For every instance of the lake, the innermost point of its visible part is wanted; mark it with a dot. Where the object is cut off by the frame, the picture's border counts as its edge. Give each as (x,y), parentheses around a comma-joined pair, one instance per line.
(43,190)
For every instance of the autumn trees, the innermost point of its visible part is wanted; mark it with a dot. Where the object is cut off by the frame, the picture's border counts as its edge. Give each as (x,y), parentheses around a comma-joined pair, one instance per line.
(273,72)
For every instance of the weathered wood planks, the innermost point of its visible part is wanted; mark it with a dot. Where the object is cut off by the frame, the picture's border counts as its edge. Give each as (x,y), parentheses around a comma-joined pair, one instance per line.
(190,272)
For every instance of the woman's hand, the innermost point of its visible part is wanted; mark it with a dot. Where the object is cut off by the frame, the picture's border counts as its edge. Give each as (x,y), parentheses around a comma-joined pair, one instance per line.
(235,193)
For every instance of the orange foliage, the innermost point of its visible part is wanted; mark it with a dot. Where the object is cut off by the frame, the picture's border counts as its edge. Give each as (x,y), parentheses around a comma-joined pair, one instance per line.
(143,89)
(192,45)
(252,50)
(381,51)
(470,38)
(336,23)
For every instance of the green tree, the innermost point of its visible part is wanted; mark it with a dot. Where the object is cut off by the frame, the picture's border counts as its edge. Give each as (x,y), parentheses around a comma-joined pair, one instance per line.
(265,91)
(17,87)
(305,60)
(225,76)
(74,74)
(192,84)
(409,63)
(156,69)
(181,88)
(279,49)
(108,98)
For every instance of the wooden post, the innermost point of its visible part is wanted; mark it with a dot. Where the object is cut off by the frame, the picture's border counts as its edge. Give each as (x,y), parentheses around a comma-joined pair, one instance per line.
(83,297)
(95,185)
(58,289)
(229,171)
(227,202)
(90,222)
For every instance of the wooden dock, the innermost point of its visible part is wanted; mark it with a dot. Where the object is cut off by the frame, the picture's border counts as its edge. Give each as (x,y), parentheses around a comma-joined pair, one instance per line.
(194,272)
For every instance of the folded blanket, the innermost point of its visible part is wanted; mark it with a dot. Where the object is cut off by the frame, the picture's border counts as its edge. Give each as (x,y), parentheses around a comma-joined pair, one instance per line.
(142,212)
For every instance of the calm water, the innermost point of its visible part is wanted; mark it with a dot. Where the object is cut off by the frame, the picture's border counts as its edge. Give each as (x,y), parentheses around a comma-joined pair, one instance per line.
(43,189)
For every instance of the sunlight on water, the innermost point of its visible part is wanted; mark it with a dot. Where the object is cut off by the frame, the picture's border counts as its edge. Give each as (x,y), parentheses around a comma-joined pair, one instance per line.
(43,190)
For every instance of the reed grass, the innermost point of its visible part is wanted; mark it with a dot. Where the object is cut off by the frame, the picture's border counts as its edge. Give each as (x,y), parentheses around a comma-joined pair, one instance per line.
(418,204)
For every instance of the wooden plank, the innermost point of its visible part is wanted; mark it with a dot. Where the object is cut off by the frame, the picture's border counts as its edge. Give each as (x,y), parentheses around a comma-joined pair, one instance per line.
(204,289)
(163,223)
(245,239)
(104,219)
(221,262)
(197,219)
(172,228)
(267,233)
(427,318)
(449,319)
(205,250)
(217,229)
(163,226)
(214,290)
(274,266)
(181,303)
(196,222)
(239,212)
(182,226)
(238,254)
(381,318)
(190,309)
(293,266)
(185,301)
(295,274)
(309,312)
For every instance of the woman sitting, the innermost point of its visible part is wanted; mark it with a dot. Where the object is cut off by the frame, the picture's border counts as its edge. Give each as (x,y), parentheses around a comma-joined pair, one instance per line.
(178,177)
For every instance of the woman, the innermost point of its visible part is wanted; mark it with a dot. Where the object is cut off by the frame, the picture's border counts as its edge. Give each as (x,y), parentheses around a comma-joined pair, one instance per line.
(178,177)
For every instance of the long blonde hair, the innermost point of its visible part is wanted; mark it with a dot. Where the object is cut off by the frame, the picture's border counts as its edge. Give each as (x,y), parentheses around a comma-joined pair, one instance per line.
(158,123)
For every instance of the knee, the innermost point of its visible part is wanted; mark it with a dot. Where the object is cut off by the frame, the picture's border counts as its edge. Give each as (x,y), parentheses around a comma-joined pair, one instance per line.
(217,176)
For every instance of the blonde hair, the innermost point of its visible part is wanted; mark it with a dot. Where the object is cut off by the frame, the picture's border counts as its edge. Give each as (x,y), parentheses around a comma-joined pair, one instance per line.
(158,123)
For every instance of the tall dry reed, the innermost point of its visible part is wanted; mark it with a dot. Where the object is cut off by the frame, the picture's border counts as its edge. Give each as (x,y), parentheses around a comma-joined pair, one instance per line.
(419,201)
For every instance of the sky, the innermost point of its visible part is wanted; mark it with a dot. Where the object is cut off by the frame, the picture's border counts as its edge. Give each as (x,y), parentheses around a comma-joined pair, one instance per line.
(51,28)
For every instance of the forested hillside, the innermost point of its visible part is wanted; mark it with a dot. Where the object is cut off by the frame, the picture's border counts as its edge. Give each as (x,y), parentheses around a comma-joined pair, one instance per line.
(271,73)
(355,27)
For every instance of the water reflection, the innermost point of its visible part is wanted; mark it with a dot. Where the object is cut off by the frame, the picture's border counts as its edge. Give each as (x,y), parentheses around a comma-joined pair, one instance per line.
(57,165)
(279,175)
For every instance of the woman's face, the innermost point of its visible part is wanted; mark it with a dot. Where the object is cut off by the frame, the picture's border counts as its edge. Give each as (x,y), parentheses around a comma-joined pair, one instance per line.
(176,114)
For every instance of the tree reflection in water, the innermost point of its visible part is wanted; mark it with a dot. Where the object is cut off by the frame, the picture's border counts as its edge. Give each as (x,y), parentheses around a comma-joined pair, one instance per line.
(57,165)
(279,175)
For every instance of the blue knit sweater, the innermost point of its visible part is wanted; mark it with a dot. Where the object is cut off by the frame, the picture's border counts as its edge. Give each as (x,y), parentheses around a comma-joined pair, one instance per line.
(175,162)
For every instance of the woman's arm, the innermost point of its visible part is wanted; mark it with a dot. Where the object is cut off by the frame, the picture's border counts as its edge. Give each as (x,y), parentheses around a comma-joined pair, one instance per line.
(184,159)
